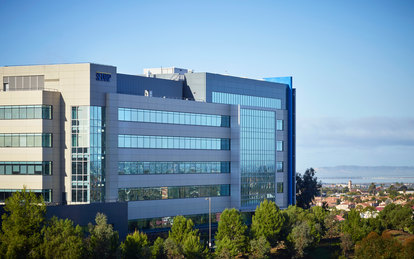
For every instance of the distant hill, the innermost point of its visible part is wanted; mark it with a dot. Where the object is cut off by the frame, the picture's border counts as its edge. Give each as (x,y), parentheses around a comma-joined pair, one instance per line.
(366,173)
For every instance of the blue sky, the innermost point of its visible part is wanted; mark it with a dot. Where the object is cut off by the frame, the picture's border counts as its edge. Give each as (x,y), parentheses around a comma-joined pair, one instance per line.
(352,61)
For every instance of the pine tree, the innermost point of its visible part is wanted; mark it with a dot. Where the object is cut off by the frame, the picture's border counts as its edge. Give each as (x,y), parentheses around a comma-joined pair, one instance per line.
(231,234)
(267,222)
(21,225)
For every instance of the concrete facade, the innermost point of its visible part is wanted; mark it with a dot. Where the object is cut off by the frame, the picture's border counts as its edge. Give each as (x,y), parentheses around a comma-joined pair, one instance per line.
(104,93)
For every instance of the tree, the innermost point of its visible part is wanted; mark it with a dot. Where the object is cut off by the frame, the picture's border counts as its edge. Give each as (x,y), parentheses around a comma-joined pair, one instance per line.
(183,240)
(375,246)
(231,234)
(372,189)
(62,240)
(21,227)
(301,238)
(103,241)
(355,226)
(346,244)
(157,249)
(332,226)
(395,216)
(267,222)
(135,246)
(259,248)
(307,187)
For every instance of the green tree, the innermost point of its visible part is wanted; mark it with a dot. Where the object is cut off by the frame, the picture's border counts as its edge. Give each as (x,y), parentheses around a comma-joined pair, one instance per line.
(332,226)
(157,249)
(259,248)
(62,240)
(395,216)
(183,240)
(21,227)
(372,189)
(135,246)
(231,234)
(307,187)
(267,222)
(301,238)
(103,240)
(356,227)
(346,244)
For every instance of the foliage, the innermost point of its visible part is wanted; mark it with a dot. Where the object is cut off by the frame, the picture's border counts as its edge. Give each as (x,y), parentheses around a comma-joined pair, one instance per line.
(307,187)
(346,244)
(172,250)
(103,241)
(408,247)
(332,226)
(21,227)
(259,248)
(230,236)
(356,227)
(396,217)
(157,249)
(267,222)
(62,240)
(376,246)
(183,240)
(135,246)
(192,247)
(301,238)
(372,189)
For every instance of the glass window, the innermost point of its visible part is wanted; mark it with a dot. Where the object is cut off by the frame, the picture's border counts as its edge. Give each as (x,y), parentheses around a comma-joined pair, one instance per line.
(279,187)
(279,145)
(15,112)
(176,192)
(154,116)
(279,166)
(7,113)
(279,124)
(30,112)
(227,98)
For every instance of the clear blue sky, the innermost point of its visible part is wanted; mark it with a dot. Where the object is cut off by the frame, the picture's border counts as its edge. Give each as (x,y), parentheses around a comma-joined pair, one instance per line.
(352,61)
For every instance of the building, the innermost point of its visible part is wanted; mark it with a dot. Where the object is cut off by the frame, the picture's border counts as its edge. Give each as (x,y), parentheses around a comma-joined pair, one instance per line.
(162,141)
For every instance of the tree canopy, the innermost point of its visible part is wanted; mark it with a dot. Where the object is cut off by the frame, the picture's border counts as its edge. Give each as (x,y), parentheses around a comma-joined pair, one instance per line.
(62,240)
(103,241)
(268,222)
(231,234)
(21,226)
(307,187)
(183,240)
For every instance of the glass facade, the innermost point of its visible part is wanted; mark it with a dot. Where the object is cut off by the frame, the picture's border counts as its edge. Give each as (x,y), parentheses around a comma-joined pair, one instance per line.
(173,192)
(279,124)
(137,141)
(279,145)
(88,154)
(26,140)
(133,168)
(166,222)
(257,145)
(20,112)
(257,154)
(45,193)
(26,168)
(247,100)
(279,167)
(140,115)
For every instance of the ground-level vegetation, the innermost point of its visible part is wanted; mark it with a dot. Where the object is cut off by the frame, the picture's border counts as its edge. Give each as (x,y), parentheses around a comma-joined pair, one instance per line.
(314,232)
